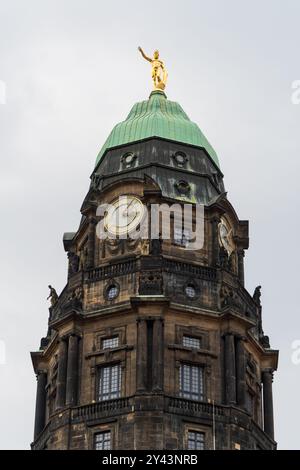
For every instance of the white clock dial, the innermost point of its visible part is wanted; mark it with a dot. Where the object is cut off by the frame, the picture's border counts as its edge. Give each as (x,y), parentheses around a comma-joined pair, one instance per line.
(225,237)
(124,215)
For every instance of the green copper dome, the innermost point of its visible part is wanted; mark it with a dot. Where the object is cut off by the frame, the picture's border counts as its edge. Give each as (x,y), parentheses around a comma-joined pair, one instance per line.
(157,117)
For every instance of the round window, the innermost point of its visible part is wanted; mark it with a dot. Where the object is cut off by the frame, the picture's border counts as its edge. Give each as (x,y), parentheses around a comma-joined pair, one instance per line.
(190,291)
(183,187)
(128,158)
(180,158)
(112,292)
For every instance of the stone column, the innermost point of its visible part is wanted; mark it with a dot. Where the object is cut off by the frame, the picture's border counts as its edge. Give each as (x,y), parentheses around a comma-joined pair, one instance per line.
(158,351)
(267,379)
(141,360)
(230,379)
(215,242)
(241,255)
(61,375)
(240,372)
(91,243)
(40,404)
(72,371)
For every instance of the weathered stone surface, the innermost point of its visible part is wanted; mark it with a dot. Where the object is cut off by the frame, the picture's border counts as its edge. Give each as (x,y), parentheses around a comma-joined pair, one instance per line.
(150,316)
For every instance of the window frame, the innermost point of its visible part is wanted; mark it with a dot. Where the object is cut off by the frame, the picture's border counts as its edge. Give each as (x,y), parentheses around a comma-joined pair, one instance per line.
(189,394)
(110,395)
(196,432)
(191,337)
(110,338)
(98,433)
(131,162)
(181,330)
(110,287)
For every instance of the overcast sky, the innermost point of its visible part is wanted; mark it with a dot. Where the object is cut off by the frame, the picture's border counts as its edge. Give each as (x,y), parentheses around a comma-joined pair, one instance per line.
(72,71)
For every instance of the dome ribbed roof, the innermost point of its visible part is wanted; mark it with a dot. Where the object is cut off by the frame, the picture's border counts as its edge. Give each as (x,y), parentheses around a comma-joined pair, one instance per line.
(157,117)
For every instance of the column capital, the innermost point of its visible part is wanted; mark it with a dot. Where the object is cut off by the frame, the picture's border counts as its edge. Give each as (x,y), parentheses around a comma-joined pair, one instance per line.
(241,337)
(41,371)
(228,333)
(150,318)
(267,374)
(66,336)
(93,220)
(62,339)
(141,319)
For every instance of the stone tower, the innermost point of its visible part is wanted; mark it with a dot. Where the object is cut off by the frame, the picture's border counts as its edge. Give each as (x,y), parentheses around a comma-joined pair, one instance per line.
(152,345)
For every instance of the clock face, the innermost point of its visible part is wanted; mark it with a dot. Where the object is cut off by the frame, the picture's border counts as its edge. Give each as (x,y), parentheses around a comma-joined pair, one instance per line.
(225,236)
(123,215)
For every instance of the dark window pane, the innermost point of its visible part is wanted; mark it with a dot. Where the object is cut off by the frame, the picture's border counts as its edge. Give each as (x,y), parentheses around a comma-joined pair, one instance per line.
(109,382)
(190,342)
(191,382)
(112,342)
(102,441)
(196,440)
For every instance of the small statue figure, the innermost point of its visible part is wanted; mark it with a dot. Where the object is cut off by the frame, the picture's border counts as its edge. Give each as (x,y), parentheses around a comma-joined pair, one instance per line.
(159,73)
(265,341)
(257,295)
(52,296)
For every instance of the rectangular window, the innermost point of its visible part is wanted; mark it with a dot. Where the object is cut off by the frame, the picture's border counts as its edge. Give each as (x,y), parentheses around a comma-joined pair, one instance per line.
(102,441)
(191,382)
(191,342)
(196,440)
(112,342)
(181,237)
(109,382)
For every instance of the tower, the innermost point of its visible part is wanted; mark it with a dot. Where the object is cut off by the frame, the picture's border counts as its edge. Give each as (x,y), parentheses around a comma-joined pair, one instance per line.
(152,344)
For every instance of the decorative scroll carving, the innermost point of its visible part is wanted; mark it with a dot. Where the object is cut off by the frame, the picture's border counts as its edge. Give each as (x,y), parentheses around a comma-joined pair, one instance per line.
(73,263)
(74,300)
(229,298)
(119,246)
(151,283)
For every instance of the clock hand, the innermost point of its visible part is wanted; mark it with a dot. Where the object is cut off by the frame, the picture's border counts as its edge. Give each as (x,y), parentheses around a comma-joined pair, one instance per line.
(131,202)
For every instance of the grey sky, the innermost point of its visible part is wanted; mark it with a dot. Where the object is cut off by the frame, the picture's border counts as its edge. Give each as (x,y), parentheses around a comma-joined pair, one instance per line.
(72,71)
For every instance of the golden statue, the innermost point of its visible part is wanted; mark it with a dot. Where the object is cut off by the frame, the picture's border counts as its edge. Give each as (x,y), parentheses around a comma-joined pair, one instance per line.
(159,73)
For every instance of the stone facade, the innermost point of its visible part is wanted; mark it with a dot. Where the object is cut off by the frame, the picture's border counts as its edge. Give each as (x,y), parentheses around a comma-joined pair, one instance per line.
(148,319)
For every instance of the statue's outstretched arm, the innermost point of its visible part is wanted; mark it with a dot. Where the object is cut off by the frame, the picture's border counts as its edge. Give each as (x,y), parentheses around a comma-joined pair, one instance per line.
(144,55)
